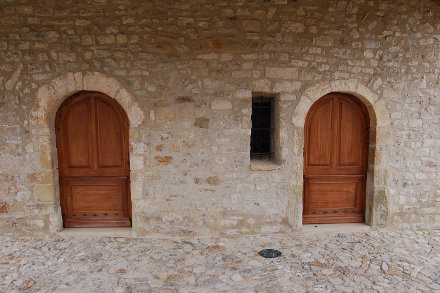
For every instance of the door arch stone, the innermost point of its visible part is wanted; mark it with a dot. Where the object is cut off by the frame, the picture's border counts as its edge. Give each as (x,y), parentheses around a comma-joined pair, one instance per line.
(377,207)
(42,124)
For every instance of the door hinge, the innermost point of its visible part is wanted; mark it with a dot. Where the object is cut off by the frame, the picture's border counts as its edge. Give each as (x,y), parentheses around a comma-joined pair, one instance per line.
(128,163)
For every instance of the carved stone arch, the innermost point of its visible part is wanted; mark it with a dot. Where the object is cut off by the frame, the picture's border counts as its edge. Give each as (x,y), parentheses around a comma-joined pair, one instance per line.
(377,200)
(42,120)
(50,96)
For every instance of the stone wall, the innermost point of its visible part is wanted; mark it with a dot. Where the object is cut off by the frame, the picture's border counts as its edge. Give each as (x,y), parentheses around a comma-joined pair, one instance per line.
(185,72)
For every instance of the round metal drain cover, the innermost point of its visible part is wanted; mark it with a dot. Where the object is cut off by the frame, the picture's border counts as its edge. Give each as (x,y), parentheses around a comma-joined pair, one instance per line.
(270,253)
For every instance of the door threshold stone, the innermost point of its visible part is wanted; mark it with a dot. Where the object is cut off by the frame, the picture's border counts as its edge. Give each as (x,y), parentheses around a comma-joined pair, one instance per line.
(336,228)
(97,232)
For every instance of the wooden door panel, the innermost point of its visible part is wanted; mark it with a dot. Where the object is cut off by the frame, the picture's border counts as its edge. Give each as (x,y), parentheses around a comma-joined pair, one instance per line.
(329,195)
(97,202)
(97,198)
(335,192)
(78,136)
(319,144)
(351,134)
(92,144)
(334,199)
(110,136)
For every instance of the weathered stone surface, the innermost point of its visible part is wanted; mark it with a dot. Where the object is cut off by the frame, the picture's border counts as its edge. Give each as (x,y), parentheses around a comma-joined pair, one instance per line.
(184,99)
(3,206)
(338,262)
(286,86)
(13,79)
(98,82)
(136,163)
(181,66)
(282,73)
(163,115)
(163,160)
(221,105)
(201,122)
(44,192)
(213,180)
(262,85)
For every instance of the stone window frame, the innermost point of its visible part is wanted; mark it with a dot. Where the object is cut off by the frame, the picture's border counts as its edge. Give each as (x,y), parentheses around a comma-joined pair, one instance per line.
(275,162)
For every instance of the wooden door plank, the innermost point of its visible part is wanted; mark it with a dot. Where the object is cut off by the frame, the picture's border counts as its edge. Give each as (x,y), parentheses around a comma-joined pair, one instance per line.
(95,194)
(337,193)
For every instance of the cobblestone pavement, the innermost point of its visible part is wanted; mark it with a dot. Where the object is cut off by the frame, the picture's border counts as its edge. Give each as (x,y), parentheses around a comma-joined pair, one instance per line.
(346,262)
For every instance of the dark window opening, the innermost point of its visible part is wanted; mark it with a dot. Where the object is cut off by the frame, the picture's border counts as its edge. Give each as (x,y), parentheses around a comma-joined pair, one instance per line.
(262,128)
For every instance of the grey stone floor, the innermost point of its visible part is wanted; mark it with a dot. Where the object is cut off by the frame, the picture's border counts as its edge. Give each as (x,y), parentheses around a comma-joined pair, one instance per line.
(341,262)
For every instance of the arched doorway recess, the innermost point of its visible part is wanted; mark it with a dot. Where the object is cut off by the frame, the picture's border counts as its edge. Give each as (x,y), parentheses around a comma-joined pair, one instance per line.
(336,144)
(92,145)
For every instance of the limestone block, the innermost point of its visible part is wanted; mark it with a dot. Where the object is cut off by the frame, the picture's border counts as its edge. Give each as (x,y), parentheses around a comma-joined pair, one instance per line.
(134,113)
(165,160)
(213,84)
(136,162)
(301,110)
(363,91)
(213,180)
(243,94)
(251,25)
(380,207)
(382,135)
(104,40)
(44,192)
(46,99)
(78,81)
(13,79)
(23,196)
(221,104)
(284,97)
(184,100)
(164,115)
(95,81)
(45,152)
(3,206)
(287,86)
(347,86)
(64,85)
(56,220)
(262,85)
(226,57)
(211,56)
(382,114)
(379,156)
(324,41)
(319,90)
(390,93)
(136,190)
(293,27)
(257,165)
(201,122)
(152,115)
(282,73)
(266,229)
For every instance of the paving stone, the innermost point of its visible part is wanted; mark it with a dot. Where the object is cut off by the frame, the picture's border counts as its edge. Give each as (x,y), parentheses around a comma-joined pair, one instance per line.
(397,261)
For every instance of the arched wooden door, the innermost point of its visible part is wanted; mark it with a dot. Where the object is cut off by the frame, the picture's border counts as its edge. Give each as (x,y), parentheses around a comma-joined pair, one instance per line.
(335,160)
(94,173)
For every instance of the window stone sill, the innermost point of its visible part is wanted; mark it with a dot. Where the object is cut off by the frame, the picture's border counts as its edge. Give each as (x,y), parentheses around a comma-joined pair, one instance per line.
(260,165)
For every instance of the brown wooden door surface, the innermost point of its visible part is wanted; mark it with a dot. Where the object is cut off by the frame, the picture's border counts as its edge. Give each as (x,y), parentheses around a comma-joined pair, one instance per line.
(335,160)
(94,174)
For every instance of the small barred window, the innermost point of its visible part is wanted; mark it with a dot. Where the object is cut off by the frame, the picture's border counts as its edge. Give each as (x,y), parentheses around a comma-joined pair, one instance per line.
(262,128)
